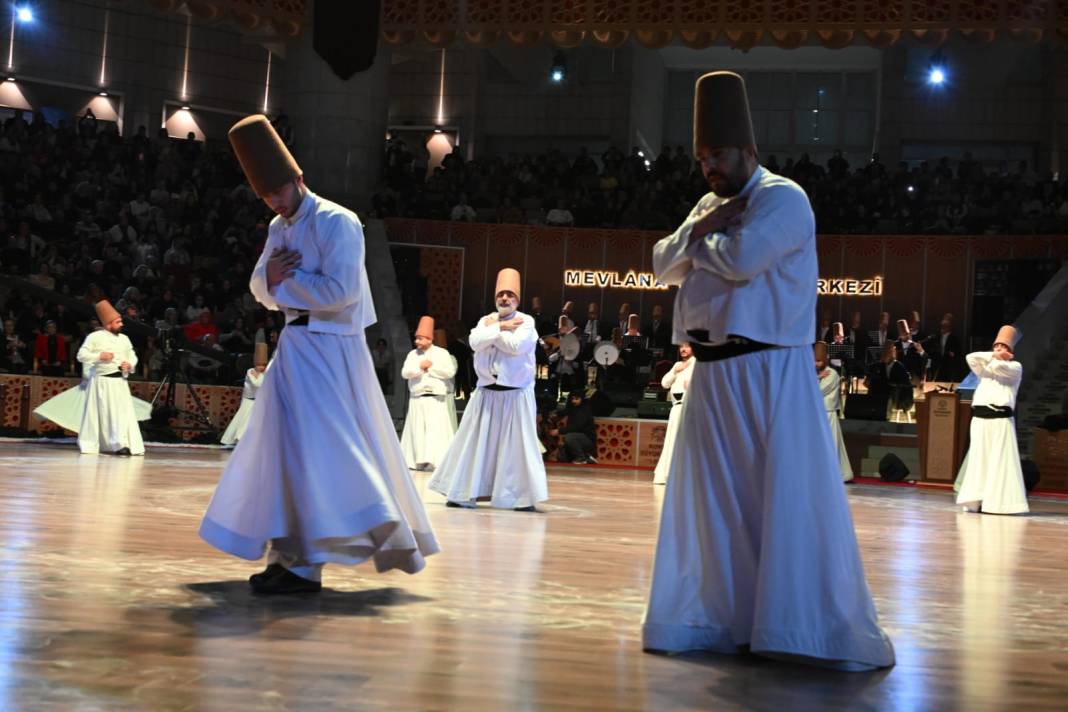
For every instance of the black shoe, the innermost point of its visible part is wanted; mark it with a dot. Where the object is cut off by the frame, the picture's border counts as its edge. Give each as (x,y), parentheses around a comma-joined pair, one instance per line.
(450,503)
(271,571)
(286,583)
(526,509)
(590,459)
(125,451)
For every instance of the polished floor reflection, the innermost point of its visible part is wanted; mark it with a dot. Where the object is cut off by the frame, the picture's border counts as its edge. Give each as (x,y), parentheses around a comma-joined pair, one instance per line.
(109,601)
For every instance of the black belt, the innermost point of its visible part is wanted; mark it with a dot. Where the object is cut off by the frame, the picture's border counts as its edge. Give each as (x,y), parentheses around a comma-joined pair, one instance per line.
(117,374)
(991,412)
(737,346)
(499,387)
(430,395)
(301,320)
(247,398)
(677,397)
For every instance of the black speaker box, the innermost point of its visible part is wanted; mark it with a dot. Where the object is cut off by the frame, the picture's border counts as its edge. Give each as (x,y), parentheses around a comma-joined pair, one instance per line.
(654,409)
(892,469)
(345,34)
(865,406)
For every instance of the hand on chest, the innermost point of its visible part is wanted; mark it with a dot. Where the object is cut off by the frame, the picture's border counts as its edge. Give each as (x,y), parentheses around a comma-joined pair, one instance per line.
(301,239)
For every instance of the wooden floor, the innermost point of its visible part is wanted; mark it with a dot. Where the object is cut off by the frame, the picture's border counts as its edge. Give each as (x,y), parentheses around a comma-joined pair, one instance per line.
(109,601)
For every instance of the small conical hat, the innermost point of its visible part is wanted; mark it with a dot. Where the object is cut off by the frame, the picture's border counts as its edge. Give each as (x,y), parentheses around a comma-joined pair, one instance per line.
(441,338)
(632,323)
(507,280)
(568,306)
(837,329)
(105,313)
(425,328)
(903,329)
(563,324)
(721,112)
(260,357)
(263,156)
(819,350)
(1008,335)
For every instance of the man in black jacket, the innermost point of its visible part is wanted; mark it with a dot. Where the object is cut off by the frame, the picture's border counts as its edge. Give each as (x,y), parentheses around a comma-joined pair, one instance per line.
(947,358)
(658,332)
(580,433)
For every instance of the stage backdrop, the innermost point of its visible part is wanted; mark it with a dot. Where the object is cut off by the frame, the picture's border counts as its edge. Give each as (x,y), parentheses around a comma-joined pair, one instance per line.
(933,274)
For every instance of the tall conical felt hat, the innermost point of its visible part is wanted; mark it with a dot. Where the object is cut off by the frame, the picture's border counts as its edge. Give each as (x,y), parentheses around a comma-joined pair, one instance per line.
(568,306)
(266,161)
(507,280)
(820,351)
(632,323)
(1008,335)
(721,112)
(563,324)
(105,313)
(260,357)
(441,338)
(425,328)
(837,329)
(903,329)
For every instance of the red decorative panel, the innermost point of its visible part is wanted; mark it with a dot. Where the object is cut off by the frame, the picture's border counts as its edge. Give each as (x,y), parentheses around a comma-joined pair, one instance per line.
(400,229)
(991,247)
(1030,246)
(13,397)
(442,267)
(835,12)
(701,12)
(902,246)
(863,245)
(654,12)
(930,11)
(789,12)
(610,12)
(1025,11)
(526,12)
(742,12)
(568,12)
(485,12)
(883,11)
(949,247)
(617,442)
(977,11)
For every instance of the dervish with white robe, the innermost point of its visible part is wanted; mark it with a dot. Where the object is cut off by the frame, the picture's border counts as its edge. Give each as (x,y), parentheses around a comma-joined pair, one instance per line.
(101,409)
(495,455)
(991,479)
(429,426)
(677,380)
(253,380)
(319,476)
(756,548)
(831,390)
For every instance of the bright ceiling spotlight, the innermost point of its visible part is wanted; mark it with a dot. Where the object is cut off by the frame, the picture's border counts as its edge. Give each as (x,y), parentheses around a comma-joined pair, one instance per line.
(24,14)
(558,71)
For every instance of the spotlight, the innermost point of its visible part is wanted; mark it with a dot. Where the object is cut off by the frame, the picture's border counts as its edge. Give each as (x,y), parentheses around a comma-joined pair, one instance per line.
(558,71)
(103,93)
(24,14)
(437,129)
(641,154)
(936,70)
(11,79)
(185,107)
(911,189)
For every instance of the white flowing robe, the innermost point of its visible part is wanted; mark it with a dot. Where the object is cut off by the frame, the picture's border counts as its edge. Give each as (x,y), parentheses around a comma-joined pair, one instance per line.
(992,475)
(495,454)
(830,388)
(319,475)
(101,409)
(676,382)
(756,544)
(429,425)
(239,423)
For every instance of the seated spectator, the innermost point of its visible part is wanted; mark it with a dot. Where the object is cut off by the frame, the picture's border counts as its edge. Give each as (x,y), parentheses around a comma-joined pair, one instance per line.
(50,352)
(560,216)
(579,435)
(14,357)
(462,211)
(203,330)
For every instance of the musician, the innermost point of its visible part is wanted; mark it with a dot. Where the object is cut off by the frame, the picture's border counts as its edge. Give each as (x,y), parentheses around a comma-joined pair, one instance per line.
(578,434)
(570,372)
(910,352)
(858,337)
(658,331)
(543,325)
(592,331)
(945,353)
(623,322)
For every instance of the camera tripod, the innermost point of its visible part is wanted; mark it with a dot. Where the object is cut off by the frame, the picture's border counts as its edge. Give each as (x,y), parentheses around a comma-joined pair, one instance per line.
(168,385)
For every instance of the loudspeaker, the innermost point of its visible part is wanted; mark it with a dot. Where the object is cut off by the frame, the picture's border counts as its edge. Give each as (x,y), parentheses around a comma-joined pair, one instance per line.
(345,35)
(892,469)
(865,406)
(624,394)
(654,409)
(1030,474)
(601,405)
